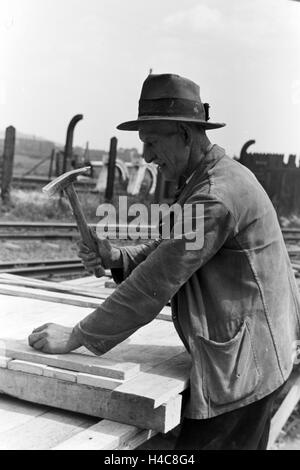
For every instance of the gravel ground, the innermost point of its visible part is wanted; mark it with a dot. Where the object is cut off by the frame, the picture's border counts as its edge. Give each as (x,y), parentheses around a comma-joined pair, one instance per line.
(22,250)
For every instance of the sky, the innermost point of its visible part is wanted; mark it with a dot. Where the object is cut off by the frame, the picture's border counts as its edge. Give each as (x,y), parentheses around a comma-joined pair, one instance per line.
(64,57)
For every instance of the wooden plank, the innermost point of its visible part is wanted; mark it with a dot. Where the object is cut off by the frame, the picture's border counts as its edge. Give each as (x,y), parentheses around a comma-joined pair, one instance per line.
(60,374)
(56,297)
(137,440)
(158,384)
(4,361)
(107,435)
(81,281)
(17,277)
(165,314)
(9,279)
(69,299)
(19,316)
(97,381)
(88,283)
(90,400)
(44,431)
(151,345)
(285,410)
(72,361)
(16,289)
(87,280)
(14,412)
(28,367)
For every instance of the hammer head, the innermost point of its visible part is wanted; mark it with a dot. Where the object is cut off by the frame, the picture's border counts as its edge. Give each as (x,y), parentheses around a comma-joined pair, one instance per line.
(60,183)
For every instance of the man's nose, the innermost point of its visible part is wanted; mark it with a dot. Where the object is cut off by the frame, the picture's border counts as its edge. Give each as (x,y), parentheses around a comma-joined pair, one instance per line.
(148,155)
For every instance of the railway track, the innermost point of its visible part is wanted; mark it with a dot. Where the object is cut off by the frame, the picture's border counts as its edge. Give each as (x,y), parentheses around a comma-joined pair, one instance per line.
(38,225)
(42,268)
(68,230)
(291,234)
(38,236)
(37,231)
(57,230)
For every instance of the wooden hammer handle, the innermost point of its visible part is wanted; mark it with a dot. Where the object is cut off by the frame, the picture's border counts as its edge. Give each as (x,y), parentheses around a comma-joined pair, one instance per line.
(82,224)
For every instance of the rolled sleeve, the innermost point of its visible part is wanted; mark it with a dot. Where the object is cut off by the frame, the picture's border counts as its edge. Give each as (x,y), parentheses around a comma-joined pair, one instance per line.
(152,282)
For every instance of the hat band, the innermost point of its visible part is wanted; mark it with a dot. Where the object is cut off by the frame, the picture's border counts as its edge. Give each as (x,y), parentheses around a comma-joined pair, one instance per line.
(172,107)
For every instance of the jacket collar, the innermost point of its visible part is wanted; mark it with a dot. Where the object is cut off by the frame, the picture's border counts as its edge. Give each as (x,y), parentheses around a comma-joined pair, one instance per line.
(214,154)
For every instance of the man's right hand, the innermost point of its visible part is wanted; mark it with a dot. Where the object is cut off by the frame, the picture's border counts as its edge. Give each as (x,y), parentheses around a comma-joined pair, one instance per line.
(107,255)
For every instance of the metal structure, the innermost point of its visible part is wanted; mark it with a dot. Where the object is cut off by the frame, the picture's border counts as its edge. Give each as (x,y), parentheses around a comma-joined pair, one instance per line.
(69,141)
(279,179)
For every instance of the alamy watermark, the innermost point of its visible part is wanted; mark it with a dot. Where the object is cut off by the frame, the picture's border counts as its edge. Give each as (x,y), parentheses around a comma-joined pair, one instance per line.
(137,221)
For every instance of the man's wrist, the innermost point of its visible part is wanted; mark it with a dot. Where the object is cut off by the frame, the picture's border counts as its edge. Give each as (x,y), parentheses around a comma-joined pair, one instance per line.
(75,341)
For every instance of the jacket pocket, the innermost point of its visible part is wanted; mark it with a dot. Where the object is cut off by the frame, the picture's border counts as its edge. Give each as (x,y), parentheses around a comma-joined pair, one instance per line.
(230,371)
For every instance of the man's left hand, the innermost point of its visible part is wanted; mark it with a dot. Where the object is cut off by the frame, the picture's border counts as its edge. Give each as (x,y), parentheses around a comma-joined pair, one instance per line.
(54,339)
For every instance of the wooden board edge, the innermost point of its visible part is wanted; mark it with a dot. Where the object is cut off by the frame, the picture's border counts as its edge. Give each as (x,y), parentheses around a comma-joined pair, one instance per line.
(88,400)
(107,435)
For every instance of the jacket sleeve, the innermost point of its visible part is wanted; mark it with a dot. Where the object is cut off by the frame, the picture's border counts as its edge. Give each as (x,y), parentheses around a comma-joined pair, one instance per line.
(132,256)
(140,298)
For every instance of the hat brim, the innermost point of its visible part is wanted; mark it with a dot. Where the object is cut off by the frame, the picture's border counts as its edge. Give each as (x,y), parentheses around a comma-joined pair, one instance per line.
(134,125)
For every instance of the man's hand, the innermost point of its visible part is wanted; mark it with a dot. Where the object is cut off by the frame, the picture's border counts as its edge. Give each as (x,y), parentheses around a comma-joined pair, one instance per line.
(53,339)
(107,256)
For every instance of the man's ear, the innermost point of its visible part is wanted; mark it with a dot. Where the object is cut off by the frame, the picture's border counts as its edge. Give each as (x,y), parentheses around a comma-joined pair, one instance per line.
(186,134)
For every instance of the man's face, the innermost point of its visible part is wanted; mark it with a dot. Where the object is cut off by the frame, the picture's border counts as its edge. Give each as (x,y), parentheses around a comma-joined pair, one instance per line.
(165,146)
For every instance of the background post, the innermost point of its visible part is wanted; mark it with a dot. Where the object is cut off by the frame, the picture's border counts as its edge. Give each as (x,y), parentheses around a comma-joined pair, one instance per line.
(111,169)
(8,163)
(52,158)
(69,141)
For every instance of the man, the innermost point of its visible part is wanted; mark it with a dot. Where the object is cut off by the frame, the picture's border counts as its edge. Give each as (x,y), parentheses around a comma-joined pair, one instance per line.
(234,299)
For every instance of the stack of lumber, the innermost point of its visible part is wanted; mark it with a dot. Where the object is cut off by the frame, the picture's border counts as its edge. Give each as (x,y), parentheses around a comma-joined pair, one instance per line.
(138,383)
(89,293)
(28,426)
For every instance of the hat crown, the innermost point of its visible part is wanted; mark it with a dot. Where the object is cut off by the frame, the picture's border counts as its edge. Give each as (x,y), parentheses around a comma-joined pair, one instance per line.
(169,86)
(169,97)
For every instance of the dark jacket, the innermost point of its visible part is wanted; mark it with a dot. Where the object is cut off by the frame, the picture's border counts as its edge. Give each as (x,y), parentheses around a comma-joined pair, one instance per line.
(235,302)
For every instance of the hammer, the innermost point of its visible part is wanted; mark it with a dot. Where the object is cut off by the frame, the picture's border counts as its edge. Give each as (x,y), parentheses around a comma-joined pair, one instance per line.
(65,183)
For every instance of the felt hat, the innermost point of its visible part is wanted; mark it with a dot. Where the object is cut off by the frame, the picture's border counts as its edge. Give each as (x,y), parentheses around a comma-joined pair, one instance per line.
(169,97)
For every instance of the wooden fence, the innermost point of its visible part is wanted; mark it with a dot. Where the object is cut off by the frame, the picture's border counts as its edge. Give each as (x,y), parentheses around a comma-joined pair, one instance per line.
(280,180)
